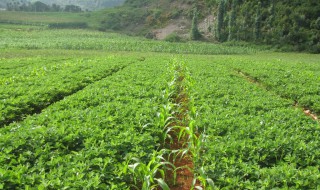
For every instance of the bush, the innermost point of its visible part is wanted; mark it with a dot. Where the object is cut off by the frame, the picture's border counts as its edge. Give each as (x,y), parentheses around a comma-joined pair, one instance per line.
(68,25)
(315,48)
(173,37)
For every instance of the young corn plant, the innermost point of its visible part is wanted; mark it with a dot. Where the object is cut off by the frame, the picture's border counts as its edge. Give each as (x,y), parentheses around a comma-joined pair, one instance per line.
(206,183)
(177,117)
(151,175)
(186,129)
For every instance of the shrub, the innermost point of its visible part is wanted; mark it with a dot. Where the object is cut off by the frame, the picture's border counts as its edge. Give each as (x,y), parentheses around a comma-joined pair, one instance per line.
(68,25)
(173,37)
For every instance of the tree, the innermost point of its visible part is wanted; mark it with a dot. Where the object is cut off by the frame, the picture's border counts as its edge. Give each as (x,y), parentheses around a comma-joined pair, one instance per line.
(232,21)
(221,9)
(9,6)
(272,14)
(40,7)
(72,8)
(195,34)
(257,28)
(55,8)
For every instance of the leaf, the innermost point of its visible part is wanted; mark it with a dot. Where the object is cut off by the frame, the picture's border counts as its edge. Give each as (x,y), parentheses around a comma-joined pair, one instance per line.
(133,166)
(162,184)
(210,182)
(146,125)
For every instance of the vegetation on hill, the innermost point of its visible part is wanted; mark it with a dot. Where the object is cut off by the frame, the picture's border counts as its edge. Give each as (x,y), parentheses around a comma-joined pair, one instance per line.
(85,4)
(58,5)
(287,25)
(140,17)
(39,6)
(283,23)
(290,25)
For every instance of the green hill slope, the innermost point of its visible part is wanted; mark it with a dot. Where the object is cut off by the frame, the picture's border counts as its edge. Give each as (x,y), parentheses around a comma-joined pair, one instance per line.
(290,25)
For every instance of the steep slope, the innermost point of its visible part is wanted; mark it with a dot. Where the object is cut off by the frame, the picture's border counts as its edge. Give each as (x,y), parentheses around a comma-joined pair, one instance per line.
(151,18)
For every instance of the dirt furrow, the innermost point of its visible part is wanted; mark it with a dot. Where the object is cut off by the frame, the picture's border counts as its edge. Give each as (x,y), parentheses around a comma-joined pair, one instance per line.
(250,79)
(183,163)
(38,108)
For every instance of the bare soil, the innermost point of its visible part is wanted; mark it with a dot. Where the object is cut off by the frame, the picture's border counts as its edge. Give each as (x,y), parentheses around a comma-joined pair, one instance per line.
(184,176)
(179,26)
(310,114)
(182,26)
(184,173)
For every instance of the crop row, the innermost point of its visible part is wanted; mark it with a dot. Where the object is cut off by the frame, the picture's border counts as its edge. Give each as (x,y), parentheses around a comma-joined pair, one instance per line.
(298,81)
(28,88)
(93,40)
(85,140)
(240,136)
(26,69)
(255,139)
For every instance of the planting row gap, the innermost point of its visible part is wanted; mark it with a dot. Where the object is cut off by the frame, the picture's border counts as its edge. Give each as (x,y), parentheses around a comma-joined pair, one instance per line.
(37,109)
(251,79)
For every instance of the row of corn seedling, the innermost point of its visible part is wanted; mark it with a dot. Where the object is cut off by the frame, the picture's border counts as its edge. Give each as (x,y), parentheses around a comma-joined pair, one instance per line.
(181,139)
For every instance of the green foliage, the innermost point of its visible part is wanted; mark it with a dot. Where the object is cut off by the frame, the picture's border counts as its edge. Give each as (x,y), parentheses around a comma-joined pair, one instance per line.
(39,6)
(137,3)
(257,28)
(69,39)
(173,37)
(138,16)
(289,24)
(220,19)
(57,5)
(43,18)
(232,21)
(317,24)
(85,140)
(38,87)
(68,25)
(255,138)
(296,82)
(122,18)
(72,8)
(151,175)
(194,33)
(111,107)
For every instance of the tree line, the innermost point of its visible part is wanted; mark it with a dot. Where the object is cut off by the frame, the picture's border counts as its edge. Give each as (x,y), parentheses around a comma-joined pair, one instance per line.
(293,23)
(38,6)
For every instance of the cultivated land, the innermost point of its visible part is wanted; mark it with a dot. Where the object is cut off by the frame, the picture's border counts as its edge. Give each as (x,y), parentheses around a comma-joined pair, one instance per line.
(87,109)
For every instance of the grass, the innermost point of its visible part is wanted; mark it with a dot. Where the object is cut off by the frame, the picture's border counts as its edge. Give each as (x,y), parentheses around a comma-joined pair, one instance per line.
(41,18)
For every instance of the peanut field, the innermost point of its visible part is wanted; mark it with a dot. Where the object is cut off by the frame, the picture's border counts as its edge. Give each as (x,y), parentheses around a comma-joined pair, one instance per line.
(83,109)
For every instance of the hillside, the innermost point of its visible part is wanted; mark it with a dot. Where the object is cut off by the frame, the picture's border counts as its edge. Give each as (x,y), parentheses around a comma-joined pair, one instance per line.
(148,18)
(289,25)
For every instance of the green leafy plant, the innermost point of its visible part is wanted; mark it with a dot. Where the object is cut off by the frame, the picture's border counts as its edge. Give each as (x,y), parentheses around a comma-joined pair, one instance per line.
(151,175)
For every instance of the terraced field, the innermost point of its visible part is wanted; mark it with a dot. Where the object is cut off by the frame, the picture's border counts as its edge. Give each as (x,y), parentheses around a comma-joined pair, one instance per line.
(129,114)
